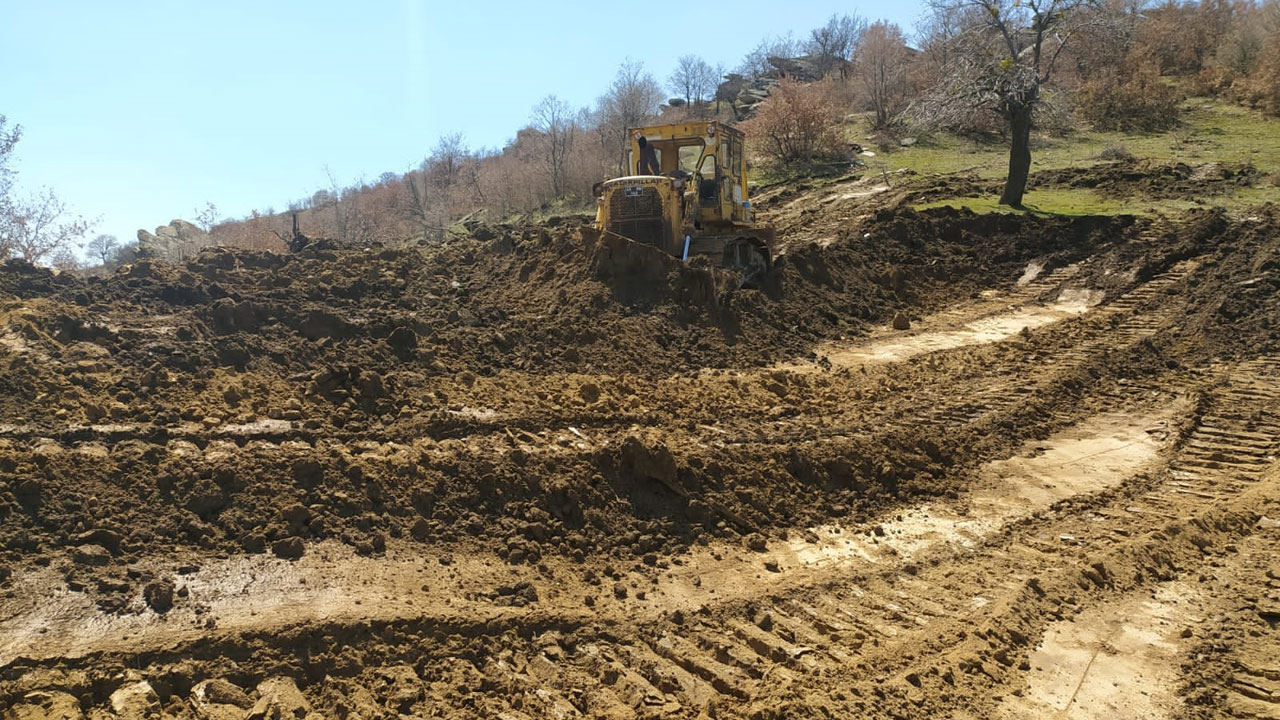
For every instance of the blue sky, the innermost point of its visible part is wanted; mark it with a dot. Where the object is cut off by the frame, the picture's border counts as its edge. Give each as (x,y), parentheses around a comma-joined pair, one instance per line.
(140,112)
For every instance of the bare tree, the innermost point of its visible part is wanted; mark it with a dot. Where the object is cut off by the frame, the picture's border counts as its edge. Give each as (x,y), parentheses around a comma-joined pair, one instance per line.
(37,227)
(65,260)
(208,217)
(693,79)
(938,32)
(756,63)
(102,247)
(830,45)
(880,62)
(1240,49)
(126,253)
(1000,59)
(8,139)
(417,207)
(556,122)
(352,223)
(468,181)
(715,77)
(321,198)
(631,101)
(446,161)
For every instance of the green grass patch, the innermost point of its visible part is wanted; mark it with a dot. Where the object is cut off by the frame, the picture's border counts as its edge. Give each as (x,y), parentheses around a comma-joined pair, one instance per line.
(1210,131)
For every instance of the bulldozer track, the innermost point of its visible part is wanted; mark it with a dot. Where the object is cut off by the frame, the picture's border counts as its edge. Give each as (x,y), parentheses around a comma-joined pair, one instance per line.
(1015,386)
(891,619)
(859,623)
(929,602)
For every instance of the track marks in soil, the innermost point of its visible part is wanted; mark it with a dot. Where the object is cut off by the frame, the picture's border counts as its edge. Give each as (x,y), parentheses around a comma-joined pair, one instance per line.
(959,328)
(820,619)
(1198,646)
(999,317)
(819,613)
(896,616)
(1119,659)
(892,641)
(332,584)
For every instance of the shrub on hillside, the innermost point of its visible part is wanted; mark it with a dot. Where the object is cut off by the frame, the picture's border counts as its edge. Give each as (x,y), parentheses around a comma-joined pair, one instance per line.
(797,122)
(1181,38)
(1115,152)
(1134,101)
(1262,88)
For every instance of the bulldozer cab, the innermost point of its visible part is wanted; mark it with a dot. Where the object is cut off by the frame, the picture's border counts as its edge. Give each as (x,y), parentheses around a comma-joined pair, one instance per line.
(711,156)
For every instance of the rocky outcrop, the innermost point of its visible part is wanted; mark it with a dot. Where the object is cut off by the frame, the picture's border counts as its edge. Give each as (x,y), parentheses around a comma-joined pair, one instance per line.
(178,240)
(745,93)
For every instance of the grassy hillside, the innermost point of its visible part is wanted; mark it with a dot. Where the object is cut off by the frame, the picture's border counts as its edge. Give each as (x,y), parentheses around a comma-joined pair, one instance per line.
(1212,131)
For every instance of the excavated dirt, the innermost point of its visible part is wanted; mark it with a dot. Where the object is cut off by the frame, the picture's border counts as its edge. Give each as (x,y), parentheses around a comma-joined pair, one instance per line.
(543,474)
(1147,179)
(1152,179)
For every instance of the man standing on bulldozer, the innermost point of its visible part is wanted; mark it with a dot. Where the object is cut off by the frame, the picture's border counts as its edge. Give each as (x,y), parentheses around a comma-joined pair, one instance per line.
(648,164)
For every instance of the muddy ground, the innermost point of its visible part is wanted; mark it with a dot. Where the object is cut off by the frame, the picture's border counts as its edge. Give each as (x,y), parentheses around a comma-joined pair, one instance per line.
(536,474)
(1130,179)
(1153,179)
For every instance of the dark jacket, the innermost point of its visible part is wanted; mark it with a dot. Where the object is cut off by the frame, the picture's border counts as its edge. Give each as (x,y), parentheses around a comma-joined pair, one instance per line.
(648,164)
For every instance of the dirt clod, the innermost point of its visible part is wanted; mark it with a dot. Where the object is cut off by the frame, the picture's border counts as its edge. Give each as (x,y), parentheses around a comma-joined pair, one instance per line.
(105,538)
(91,555)
(136,699)
(158,594)
(289,548)
(217,699)
(279,699)
(46,705)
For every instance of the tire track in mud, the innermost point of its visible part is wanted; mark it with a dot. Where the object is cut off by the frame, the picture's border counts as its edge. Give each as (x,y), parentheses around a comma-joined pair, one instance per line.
(735,651)
(1229,660)
(1140,639)
(1136,327)
(906,635)
(899,625)
(1012,387)
(880,620)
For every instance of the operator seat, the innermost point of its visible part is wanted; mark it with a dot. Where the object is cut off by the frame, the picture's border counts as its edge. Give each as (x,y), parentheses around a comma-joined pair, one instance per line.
(707,190)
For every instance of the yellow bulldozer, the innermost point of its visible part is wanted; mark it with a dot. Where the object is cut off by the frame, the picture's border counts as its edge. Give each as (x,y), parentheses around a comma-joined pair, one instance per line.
(686,194)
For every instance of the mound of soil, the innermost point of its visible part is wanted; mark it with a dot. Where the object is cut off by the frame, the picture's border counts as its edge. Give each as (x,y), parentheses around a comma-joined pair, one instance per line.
(1151,179)
(534,299)
(1235,308)
(248,402)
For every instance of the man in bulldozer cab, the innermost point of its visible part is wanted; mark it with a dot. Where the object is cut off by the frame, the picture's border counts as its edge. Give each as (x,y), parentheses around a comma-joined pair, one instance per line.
(686,194)
(648,163)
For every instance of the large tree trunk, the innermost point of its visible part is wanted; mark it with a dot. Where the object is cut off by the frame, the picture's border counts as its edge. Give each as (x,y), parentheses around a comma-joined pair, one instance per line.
(1019,156)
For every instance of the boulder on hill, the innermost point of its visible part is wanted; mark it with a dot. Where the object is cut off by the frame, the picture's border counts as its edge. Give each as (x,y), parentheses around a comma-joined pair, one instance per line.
(744,93)
(175,241)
